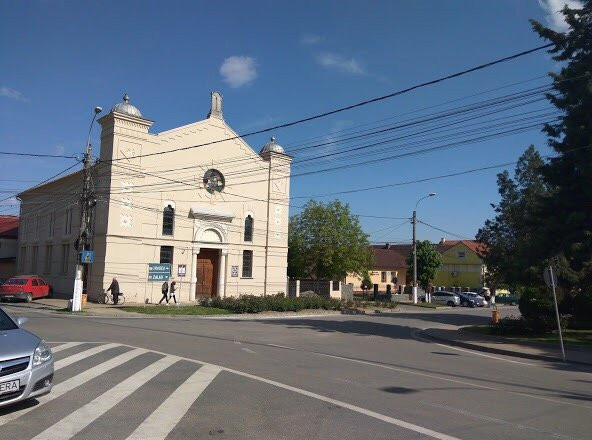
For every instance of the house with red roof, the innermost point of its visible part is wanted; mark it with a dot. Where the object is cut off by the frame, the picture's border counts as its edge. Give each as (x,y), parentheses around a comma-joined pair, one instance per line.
(9,226)
(389,268)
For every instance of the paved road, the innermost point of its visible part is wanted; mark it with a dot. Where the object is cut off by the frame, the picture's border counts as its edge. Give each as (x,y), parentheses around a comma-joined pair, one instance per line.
(345,377)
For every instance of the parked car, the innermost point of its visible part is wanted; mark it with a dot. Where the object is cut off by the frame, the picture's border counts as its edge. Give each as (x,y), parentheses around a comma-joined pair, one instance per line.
(465,299)
(24,287)
(26,363)
(442,297)
(509,298)
(478,300)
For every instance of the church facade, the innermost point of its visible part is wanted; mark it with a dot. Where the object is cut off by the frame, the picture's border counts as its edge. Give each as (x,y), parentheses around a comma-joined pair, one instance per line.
(197,199)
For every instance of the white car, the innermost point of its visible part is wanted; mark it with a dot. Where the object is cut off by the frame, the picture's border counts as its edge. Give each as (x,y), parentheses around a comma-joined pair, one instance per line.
(451,299)
(478,299)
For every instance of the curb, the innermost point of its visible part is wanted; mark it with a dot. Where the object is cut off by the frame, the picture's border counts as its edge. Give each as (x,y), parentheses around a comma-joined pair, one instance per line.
(493,350)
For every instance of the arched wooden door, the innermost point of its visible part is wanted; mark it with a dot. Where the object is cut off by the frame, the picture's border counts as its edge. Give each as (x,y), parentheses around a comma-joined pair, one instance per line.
(207,273)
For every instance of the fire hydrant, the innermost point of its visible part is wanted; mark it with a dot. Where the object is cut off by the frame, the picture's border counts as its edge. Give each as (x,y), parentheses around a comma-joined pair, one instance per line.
(495,316)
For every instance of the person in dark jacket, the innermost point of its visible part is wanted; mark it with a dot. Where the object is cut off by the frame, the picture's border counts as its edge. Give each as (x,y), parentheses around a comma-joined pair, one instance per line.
(114,288)
(165,293)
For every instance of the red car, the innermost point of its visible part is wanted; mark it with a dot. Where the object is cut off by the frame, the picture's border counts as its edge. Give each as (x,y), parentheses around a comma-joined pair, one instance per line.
(25,287)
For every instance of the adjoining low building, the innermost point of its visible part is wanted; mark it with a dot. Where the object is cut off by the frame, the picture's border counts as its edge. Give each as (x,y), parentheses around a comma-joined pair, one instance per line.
(9,227)
(196,197)
(389,268)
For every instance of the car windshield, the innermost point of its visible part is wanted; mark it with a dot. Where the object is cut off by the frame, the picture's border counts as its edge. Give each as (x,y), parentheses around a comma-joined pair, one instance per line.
(6,323)
(16,281)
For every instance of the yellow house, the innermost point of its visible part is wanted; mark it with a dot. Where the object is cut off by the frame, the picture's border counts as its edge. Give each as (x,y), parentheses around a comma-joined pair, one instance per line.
(462,264)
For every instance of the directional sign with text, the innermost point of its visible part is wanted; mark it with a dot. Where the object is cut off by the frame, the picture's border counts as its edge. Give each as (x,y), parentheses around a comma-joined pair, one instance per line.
(159,271)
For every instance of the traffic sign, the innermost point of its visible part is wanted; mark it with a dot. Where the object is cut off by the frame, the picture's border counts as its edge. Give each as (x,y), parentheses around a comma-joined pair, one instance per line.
(159,271)
(87,257)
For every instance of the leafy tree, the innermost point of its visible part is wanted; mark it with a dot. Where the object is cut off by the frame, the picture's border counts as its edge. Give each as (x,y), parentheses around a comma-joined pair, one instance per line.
(565,232)
(326,241)
(429,261)
(366,281)
(508,238)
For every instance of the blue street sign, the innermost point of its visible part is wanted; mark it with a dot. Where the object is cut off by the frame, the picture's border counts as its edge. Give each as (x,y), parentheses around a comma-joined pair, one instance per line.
(87,257)
(159,271)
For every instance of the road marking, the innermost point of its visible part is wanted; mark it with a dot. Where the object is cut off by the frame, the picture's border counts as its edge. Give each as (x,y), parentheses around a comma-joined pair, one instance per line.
(237,343)
(496,420)
(74,382)
(76,421)
(367,412)
(248,350)
(281,346)
(65,346)
(162,421)
(82,355)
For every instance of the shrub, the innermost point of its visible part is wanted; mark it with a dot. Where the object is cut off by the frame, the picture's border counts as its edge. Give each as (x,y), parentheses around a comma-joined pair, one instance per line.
(277,303)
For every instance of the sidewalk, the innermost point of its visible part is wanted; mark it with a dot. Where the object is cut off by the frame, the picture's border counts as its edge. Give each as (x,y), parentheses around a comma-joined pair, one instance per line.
(579,354)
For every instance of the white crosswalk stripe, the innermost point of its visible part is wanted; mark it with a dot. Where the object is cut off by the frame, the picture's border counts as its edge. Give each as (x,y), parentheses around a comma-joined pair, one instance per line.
(171,411)
(74,382)
(65,346)
(82,355)
(82,417)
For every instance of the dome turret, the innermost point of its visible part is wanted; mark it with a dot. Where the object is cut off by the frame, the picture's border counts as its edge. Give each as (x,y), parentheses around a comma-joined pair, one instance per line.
(126,108)
(273,147)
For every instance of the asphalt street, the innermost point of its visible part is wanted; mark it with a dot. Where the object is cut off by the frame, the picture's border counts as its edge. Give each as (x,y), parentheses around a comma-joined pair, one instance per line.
(328,377)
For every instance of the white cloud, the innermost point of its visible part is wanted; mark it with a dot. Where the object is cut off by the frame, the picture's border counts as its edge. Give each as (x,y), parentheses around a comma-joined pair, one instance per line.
(554,17)
(59,149)
(310,39)
(7,92)
(238,71)
(346,65)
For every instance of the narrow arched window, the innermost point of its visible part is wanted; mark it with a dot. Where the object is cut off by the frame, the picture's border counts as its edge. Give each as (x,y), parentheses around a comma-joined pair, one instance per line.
(168,220)
(249,228)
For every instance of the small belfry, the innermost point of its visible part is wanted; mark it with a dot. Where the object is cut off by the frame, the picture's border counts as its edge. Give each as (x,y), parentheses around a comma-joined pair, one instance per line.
(216,107)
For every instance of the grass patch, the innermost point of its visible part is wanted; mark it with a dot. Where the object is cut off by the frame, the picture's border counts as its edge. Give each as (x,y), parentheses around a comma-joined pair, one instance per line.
(575,337)
(174,310)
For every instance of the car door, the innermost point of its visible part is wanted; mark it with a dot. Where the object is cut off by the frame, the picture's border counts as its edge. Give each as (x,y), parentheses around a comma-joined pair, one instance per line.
(437,297)
(34,287)
(43,288)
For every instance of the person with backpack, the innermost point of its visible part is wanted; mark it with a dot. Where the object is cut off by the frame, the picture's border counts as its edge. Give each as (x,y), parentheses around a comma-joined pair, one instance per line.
(165,293)
(172,291)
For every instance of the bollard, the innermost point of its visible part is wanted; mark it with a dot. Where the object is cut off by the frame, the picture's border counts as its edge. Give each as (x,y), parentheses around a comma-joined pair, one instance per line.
(495,316)
(375,291)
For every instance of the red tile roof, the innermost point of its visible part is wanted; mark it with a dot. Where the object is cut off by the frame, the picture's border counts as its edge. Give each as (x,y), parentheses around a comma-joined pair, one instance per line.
(475,246)
(9,226)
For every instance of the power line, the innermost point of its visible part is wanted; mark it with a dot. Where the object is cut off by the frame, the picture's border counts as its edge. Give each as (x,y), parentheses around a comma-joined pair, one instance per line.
(59,156)
(353,106)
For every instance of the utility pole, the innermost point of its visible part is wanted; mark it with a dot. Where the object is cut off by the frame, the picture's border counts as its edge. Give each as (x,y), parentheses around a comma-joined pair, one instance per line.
(86,203)
(414,221)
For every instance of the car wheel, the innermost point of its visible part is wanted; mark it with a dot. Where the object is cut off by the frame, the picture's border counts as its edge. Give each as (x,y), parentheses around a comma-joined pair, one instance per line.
(450,304)
(423,300)
(29,297)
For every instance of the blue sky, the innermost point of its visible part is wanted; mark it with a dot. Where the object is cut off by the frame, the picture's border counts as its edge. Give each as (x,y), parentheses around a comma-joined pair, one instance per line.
(274,62)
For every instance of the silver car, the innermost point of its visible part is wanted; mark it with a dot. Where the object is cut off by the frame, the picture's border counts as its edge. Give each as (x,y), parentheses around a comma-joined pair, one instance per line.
(451,299)
(26,363)
(477,299)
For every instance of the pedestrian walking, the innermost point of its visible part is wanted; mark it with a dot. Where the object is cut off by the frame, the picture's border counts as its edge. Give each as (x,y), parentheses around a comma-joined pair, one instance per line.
(165,293)
(114,288)
(172,291)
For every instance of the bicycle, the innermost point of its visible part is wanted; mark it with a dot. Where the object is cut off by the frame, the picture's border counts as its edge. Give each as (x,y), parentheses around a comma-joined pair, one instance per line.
(108,298)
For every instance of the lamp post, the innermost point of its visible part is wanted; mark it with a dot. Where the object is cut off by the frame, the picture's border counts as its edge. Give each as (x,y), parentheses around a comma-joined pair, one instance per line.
(84,219)
(414,221)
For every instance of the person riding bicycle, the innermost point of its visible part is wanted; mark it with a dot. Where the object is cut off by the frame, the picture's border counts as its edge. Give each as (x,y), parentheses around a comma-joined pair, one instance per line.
(114,288)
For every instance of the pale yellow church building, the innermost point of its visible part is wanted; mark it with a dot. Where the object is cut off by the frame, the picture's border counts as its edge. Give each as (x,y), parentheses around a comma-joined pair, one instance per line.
(197,199)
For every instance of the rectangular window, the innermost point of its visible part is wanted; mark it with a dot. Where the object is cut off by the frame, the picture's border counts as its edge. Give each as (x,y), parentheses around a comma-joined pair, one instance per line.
(461,254)
(48,257)
(65,257)
(68,221)
(22,258)
(51,225)
(393,276)
(166,254)
(383,277)
(168,220)
(37,226)
(34,251)
(247,264)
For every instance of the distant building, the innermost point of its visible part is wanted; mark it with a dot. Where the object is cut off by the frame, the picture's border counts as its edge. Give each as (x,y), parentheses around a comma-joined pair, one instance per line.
(462,264)
(389,268)
(9,226)
(197,197)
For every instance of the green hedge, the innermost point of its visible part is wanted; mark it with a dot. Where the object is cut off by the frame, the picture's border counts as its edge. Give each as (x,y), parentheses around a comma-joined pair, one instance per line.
(276,303)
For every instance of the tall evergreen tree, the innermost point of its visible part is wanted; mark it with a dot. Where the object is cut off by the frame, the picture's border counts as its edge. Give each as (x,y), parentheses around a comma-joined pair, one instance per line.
(565,232)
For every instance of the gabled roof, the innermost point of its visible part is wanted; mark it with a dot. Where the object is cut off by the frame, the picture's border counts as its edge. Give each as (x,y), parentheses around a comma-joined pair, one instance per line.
(388,258)
(475,246)
(9,225)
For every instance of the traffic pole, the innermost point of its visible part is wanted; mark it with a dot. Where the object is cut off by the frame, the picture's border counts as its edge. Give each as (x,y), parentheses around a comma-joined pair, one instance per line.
(552,276)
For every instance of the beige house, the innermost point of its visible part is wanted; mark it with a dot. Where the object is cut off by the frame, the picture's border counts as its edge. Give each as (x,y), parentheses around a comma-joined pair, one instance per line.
(197,197)
(389,268)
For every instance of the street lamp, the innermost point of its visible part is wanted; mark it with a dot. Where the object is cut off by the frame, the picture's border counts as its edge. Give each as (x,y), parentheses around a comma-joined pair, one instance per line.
(414,221)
